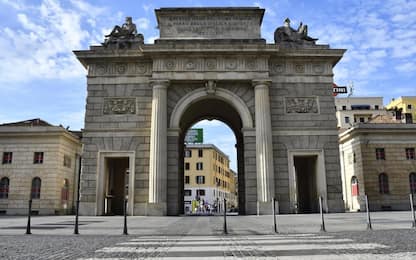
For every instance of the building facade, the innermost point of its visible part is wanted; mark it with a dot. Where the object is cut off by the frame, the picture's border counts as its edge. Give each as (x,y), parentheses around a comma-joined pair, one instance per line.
(208,180)
(352,110)
(378,160)
(39,162)
(406,106)
(276,97)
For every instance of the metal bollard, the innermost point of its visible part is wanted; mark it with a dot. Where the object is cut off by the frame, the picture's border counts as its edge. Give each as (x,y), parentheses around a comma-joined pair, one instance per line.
(125,218)
(76,232)
(28,218)
(274,215)
(322,215)
(225,217)
(258,208)
(413,211)
(369,227)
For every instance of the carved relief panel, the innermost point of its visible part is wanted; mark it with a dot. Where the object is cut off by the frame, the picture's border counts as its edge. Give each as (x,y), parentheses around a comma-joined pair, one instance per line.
(118,106)
(301,105)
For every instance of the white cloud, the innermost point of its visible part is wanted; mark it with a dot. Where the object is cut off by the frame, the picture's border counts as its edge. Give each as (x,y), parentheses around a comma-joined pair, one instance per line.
(42,46)
(406,67)
(142,24)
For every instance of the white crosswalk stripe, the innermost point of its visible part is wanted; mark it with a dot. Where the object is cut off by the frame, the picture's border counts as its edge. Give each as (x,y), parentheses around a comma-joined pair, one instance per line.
(296,246)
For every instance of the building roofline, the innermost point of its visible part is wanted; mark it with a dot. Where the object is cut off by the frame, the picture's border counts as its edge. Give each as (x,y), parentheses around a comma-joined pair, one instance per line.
(207,146)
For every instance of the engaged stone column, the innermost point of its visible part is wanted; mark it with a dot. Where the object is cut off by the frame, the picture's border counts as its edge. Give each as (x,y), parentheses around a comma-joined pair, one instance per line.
(264,147)
(158,149)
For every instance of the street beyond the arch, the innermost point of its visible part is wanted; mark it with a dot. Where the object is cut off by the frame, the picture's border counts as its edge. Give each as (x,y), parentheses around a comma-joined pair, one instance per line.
(249,237)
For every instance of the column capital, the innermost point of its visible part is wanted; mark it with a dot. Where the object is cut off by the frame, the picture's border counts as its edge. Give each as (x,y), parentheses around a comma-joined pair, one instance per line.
(261,82)
(159,83)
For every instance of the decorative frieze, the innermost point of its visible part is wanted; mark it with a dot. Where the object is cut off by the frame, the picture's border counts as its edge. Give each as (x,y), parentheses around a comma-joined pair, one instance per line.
(117,106)
(301,105)
(211,64)
(120,69)
(279,67)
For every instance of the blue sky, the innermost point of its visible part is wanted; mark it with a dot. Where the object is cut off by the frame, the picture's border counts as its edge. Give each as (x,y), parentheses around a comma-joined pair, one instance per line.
(40,77)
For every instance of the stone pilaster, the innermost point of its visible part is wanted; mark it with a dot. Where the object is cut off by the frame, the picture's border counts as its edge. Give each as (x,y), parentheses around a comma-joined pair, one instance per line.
(158,149)
(264,146)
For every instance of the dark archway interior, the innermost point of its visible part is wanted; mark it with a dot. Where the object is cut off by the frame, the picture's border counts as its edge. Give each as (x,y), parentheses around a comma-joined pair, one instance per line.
(305,167)
(211,108)
(117,185)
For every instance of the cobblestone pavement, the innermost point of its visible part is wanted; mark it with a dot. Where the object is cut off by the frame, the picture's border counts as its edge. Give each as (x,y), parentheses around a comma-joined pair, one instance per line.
(250,237)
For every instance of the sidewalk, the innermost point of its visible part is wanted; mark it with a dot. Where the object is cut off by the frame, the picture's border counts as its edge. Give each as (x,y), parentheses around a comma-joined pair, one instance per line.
(204,225)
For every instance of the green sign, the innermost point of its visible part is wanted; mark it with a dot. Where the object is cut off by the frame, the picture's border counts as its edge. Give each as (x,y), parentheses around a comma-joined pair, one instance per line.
(194,135)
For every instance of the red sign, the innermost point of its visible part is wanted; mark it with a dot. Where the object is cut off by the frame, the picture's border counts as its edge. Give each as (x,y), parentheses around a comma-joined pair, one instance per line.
(338,90)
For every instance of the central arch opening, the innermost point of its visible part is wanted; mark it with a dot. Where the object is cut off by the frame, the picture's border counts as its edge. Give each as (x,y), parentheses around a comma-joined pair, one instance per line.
(211,108)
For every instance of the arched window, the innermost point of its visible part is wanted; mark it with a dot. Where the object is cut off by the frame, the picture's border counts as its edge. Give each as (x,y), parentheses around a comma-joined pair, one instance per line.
(412,182)
(36,183)
(354,186)
(4,188)
(383,183)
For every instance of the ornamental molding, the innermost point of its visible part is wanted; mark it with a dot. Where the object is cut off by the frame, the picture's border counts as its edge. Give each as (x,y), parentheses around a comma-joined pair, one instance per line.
(283,67)
(301,105)
(219,63)
(119,106)
(120,69)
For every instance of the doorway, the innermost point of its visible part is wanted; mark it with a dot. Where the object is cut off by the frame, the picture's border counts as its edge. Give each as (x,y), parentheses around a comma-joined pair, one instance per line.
(306,184)
(116,185)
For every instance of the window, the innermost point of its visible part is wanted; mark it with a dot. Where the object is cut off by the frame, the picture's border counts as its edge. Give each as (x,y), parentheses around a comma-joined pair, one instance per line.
(412,182)
(67,161)
(199,166)
(188,153)
(65,190)
(200,179)
(362,120)
(354,186)
(7,157)
(383,183)
(187,179)
(36,184)
(380,154)
(375,107)
(409,106)
(188,192)
(344,107)
(200,192)
(38,158)
(200,153)
(347,119)
(4,188)
(187,166)
(410,153)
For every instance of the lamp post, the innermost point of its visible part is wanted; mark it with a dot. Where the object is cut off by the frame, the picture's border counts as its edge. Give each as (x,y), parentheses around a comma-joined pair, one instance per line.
(76,231)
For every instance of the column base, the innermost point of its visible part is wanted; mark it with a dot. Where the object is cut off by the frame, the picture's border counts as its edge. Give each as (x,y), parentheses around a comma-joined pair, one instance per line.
(156,209)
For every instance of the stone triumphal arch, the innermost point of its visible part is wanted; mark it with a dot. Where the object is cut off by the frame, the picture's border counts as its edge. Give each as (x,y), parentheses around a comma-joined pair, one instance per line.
(209,63)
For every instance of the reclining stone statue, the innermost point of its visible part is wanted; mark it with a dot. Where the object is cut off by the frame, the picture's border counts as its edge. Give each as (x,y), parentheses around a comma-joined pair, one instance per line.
(286,34)
(123,36)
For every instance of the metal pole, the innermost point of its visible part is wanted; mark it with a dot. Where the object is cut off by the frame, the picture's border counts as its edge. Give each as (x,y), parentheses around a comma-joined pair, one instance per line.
(258,208)
(125,218)
(76,231)
(322,215)
(413,211)
(225,217)
(369,227)
(274,215)
(29,213)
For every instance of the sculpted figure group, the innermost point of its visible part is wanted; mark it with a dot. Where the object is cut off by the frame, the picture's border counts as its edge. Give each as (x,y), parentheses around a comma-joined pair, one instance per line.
(124,35)
(286,34)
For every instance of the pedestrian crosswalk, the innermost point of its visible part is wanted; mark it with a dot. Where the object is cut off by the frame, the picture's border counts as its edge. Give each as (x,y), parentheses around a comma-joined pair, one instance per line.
(290,246)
